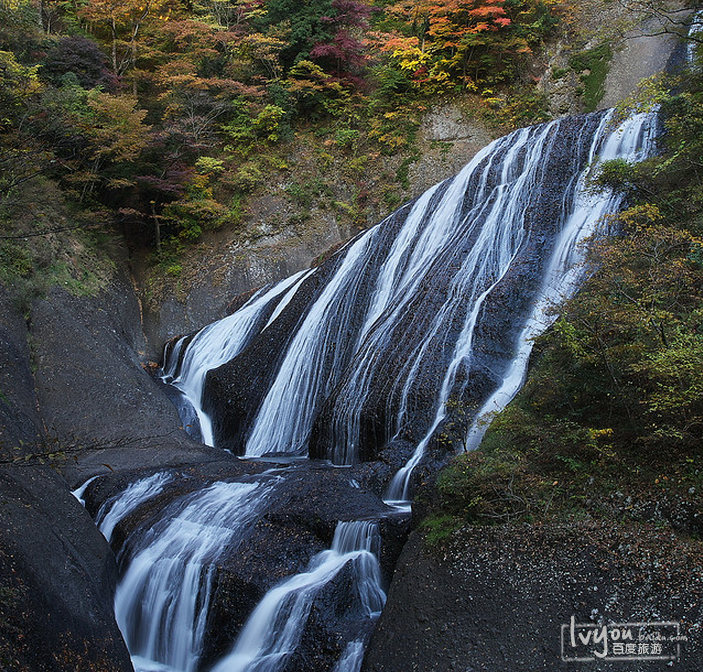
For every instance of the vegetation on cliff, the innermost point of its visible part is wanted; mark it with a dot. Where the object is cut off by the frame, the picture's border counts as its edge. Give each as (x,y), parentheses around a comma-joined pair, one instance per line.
(164,117)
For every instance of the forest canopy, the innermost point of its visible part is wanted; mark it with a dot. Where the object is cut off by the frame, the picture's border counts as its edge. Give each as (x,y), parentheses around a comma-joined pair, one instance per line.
(149,111)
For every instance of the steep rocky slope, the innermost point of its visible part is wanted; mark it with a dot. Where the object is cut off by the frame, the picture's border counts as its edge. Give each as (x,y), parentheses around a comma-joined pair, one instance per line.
(58,574)
(495,599)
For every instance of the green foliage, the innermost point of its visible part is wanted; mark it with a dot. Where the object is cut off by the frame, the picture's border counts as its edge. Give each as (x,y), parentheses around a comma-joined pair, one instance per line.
(439,527)
(208,165)
(616,174)
(346,137)
(593,66)
(47,241)
(15,261)
(196,210)
(267,124)
(395,131)
(300,22)
(515,107)
(304,194)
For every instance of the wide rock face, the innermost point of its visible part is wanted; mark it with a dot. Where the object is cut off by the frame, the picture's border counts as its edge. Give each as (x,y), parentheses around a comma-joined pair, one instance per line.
(57,574)
(58,580)
(95,397)
(74,398)
(495,599)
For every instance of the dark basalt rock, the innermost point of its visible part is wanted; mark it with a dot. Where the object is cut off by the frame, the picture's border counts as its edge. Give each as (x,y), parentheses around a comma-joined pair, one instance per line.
(57,574)
(336,617)
(494,599)
(58,580)
(234,391)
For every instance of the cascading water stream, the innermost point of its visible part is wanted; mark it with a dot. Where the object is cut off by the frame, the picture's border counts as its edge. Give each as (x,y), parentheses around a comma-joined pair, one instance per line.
(220,342)
(391,337)
(162,600)
(274,629)
(286,414)
(352,657)
(116,508)
(631,141)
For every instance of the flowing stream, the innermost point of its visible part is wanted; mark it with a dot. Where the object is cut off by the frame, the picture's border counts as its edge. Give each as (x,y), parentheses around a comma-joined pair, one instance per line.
(419,325)
(274,629)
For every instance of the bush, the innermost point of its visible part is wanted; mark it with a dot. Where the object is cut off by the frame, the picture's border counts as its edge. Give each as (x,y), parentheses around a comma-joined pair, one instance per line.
(80,57)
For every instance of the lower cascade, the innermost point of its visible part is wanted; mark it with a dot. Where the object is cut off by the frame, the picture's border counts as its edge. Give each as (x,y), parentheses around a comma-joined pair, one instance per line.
(169,566)
(396,351)
(274,629)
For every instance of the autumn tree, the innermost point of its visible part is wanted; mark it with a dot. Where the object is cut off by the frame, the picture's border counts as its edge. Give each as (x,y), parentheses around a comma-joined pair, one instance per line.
(82,59)
(20,159)
(231,14)
(345,49)
(464,41)
(301,25)
(124,22)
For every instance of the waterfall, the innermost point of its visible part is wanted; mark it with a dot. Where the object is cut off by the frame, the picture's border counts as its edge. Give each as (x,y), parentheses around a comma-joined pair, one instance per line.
(586,212)
(275,628)
(632,141)
(352,657)
(220,342)
(431,310)
(407,340)
(162,600)
(80,491)
(119,506)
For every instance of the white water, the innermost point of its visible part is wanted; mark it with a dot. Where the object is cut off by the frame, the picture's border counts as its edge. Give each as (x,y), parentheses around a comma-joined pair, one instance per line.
(162,601)
(352,657)
(116,508)
(462,239)
(287,412)
(274,629)
(80,491)
(219,342)
(477,225)
(632,141)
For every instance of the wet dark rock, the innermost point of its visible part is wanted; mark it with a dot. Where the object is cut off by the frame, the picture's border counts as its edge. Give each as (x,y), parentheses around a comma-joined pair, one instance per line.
(374,394)
(97,401)
(19,420)
(58,580)
(57,574)
(336,617)
(233,392)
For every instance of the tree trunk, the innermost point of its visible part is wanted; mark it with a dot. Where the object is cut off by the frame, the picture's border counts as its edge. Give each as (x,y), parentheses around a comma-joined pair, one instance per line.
(157,228)
(114,47)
